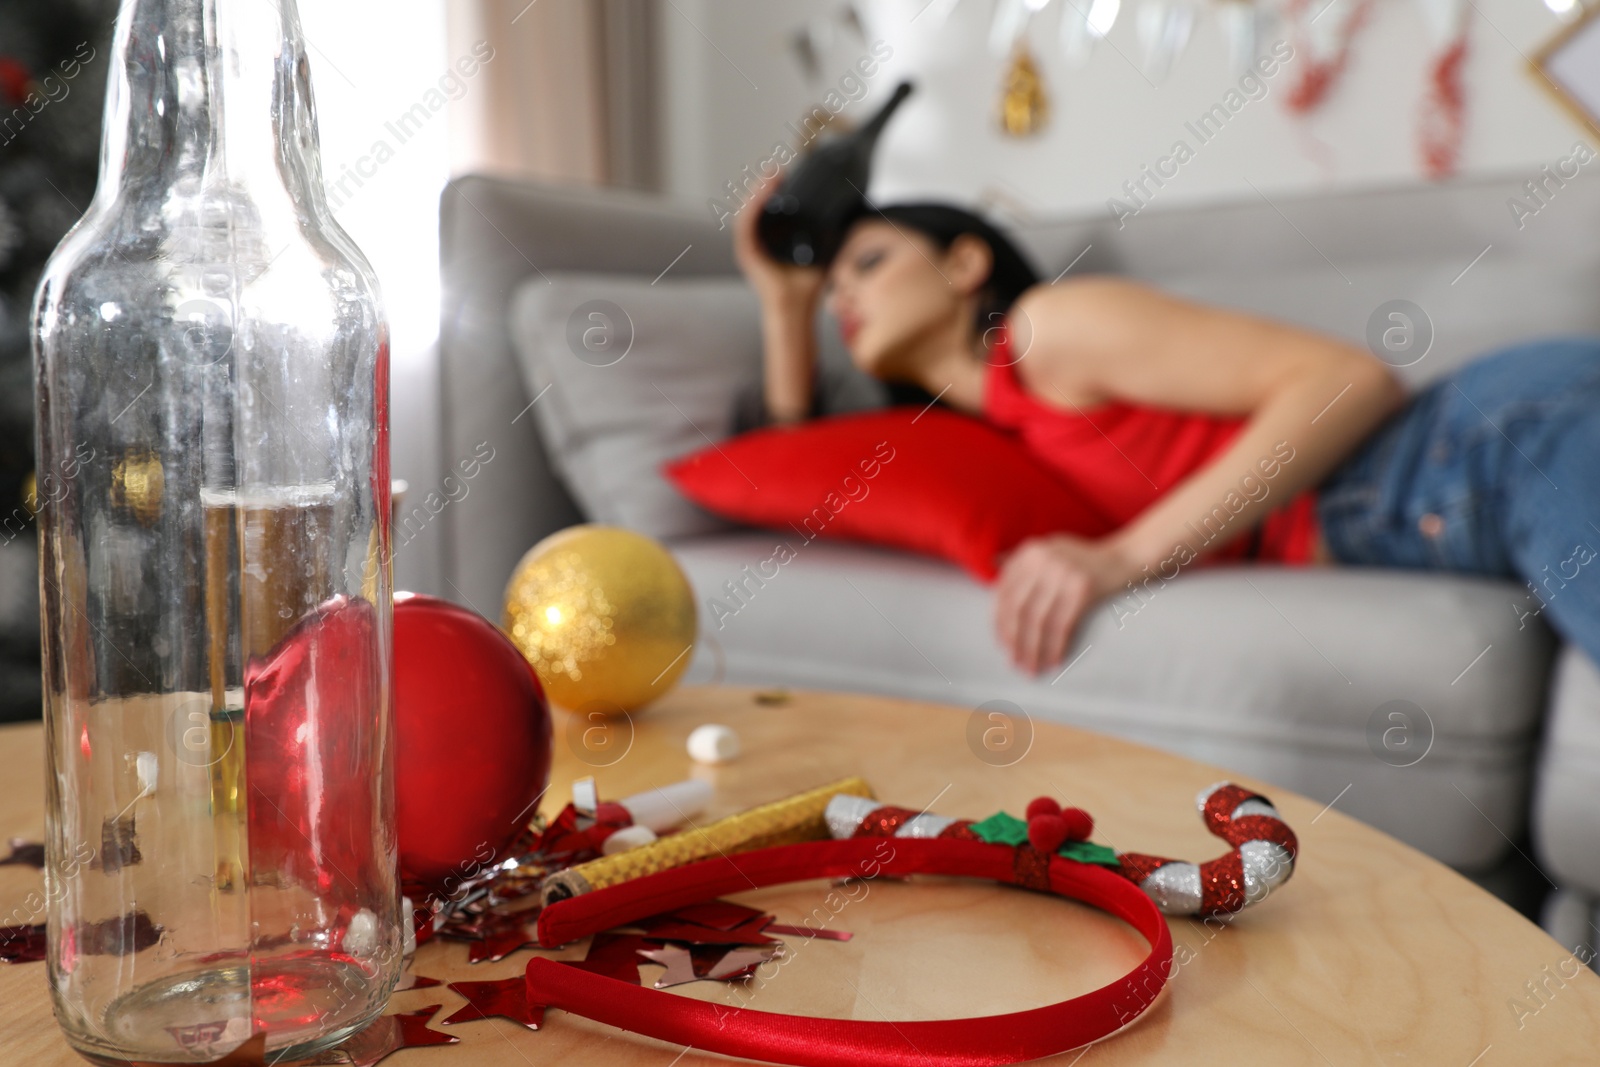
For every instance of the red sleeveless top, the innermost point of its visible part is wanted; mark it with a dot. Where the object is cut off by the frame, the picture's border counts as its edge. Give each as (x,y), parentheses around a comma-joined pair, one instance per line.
(1122,457)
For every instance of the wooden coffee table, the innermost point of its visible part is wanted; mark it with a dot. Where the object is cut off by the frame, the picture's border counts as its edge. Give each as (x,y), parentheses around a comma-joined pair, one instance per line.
(1372,953)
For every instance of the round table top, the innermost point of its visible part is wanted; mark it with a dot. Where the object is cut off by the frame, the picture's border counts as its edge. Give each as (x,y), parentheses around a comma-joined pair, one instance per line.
(1371,953)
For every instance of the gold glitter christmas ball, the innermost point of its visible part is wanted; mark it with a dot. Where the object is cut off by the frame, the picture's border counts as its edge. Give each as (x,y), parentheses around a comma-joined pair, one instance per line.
(605,616)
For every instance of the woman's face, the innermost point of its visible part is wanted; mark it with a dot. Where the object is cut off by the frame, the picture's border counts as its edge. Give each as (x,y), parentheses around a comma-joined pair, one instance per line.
(892,289)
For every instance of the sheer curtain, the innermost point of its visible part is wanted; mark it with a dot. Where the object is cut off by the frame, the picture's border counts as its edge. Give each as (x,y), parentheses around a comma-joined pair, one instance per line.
(570,94)
(383,77)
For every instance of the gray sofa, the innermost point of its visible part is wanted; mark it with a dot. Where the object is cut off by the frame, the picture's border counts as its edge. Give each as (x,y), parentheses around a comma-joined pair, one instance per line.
(1295,677)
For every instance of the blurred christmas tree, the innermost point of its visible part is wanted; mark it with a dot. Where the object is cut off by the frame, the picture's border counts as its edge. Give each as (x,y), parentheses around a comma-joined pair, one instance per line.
(53,56)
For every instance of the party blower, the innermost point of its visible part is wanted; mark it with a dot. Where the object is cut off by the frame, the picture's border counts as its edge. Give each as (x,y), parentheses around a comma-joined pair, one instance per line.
(805,218)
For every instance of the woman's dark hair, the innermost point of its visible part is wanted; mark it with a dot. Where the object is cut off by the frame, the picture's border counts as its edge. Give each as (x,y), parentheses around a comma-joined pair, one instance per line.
(1012,274)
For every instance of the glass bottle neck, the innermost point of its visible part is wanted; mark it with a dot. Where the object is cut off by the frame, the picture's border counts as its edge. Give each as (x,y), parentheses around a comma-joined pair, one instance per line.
(211,99)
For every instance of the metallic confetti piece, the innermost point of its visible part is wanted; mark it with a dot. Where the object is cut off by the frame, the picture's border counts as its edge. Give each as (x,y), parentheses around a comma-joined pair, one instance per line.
(390,1033)
(506,998)
(806,931)
(24,853)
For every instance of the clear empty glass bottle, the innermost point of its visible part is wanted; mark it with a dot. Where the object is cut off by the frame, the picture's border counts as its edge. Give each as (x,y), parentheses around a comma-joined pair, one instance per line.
(213,493)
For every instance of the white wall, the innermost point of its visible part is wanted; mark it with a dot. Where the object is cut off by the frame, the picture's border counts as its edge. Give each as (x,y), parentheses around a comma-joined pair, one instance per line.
(731,85)
(372,61)
(1107,119)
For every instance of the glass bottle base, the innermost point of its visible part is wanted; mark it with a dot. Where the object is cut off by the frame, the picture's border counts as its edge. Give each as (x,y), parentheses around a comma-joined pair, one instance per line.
(305,1005)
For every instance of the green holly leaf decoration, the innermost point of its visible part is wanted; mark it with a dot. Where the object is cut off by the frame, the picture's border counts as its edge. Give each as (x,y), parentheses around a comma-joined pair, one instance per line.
(1089,852)
(1003,829)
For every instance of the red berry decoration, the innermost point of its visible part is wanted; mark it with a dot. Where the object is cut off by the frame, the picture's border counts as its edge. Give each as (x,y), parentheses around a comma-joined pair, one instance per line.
(1047,832)
(1042,806)
(472,741)
(1079,824)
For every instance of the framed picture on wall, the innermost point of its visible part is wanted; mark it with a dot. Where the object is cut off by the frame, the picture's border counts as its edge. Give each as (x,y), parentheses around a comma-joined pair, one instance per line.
(1569,66)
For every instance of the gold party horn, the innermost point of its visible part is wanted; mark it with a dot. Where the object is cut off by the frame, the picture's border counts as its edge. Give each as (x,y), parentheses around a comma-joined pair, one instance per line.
(782,822)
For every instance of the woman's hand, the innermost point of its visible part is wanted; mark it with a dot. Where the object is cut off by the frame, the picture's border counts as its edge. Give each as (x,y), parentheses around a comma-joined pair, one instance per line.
(1046,585)
(788,296)
(780,286)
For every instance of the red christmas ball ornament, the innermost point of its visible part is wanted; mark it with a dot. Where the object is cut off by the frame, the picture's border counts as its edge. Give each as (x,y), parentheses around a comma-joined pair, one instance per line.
(472,741)
(1042,806)
(309,776)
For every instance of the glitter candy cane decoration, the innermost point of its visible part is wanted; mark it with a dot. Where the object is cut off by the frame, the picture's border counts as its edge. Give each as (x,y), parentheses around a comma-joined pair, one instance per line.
(1262,857)
(1261,860)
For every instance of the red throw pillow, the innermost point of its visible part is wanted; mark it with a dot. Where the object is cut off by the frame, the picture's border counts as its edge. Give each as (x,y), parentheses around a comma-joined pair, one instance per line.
(930,481)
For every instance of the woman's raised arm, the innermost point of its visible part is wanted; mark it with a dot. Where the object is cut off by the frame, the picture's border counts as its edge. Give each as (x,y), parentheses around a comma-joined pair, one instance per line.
(788,296)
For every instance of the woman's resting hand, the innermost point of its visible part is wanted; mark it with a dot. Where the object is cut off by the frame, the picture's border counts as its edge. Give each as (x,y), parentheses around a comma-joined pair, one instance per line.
(1046,585)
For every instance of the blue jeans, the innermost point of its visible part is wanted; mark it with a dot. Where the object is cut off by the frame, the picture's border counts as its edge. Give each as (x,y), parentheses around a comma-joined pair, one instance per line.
(1494,470)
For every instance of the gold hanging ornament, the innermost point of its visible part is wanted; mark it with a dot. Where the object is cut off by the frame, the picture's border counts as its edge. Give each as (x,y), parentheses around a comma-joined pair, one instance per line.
(1024,107)
(605,616)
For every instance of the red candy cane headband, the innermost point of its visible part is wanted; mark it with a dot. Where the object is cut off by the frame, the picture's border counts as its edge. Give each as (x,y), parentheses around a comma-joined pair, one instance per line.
(921,849)
(1262,857)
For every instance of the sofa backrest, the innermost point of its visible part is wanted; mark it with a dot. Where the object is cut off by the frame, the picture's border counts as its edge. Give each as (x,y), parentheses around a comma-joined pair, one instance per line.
(1484,274)
(495,234)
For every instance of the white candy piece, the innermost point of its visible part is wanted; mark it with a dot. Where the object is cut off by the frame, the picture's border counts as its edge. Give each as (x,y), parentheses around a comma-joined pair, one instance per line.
(713,743)
(149,770)
(626,838)
(361,936)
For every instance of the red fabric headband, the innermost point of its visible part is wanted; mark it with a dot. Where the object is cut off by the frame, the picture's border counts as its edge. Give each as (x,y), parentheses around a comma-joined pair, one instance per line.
(814,1042)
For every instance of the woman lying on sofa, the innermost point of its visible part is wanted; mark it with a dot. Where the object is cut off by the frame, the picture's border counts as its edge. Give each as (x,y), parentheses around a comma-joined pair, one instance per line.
(1494,470)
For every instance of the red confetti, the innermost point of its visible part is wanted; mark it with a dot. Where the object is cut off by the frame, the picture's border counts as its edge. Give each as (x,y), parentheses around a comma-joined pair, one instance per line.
(613,955)
(22,944)
(747,933)
(24,853)
(391,1033)
(707,962)
(717,914)
(500,944)
(806,931)
(506,998)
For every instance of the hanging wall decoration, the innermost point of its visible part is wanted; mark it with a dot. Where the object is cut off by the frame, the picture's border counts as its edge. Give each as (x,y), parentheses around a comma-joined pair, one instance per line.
(1243,26)
(1164,27)
(1443,111)
(1565,66)
(1321,32)
(1024,105)
(811,41)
